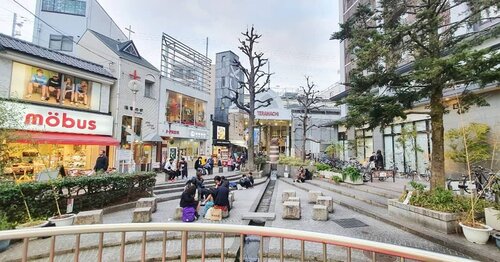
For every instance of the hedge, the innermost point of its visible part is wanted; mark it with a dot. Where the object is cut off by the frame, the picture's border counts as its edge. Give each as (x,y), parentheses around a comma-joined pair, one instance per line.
(89,192)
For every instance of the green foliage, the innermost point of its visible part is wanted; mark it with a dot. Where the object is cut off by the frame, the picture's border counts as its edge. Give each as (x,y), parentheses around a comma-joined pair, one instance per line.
(88,192)
(323,167)
(334,149)
(337,179)
(9,116)
(352,173)
(429,52)
(260,161)
(418,186)
(476,138)
(291,161)
(4,222)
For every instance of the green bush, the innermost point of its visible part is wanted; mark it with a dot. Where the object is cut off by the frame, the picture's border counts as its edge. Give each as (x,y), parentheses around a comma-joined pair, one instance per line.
(352,173)
(4,223)
(88,192)
(337,179)
(323,167)
(291,161)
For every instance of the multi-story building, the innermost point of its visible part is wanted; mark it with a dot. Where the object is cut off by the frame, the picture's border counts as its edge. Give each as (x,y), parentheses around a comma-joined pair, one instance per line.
(59,109)
(415,153)
(71,18)
(185,99)
(127,64)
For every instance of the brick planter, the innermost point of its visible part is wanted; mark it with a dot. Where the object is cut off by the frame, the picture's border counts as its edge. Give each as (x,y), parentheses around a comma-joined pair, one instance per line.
(435,220)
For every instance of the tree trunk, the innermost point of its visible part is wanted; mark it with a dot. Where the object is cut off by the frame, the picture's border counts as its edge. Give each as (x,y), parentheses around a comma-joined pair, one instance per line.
(437,132)
(250,163)
(304,133)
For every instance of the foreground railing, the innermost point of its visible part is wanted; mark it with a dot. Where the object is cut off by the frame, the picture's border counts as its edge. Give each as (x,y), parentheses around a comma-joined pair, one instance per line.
(350,244)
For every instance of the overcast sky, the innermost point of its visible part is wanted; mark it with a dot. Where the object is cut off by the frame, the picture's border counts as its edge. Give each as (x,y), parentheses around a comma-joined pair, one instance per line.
(295,33)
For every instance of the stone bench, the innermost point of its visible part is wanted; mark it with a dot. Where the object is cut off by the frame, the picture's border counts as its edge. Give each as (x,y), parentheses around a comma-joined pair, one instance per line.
(312,196)
(325,201)
(286,194)
(142,215)
(89,217)
(320,213)
(147,202)
(178,213)
(291,210)
(294,199)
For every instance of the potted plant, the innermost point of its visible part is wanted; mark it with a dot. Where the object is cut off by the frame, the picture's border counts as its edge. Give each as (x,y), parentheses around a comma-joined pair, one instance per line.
(496,236)
(351,175)
(60,220)
(4,225)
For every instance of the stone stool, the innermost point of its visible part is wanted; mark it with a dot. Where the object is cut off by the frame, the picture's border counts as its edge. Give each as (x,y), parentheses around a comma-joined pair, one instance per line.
(142,215)
(325,201)
(286,194)
(147,202)
(294,199)
(313,195)
(89,217)
(291,210)
(320,213)
(178,213)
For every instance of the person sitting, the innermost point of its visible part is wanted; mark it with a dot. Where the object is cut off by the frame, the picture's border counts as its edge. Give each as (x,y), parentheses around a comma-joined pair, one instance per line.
(37,80)
(220,196)
(81,92)
(68,87)
(170,168)
(53,85)
(188,198)
(307,174)
(245,182)
(250,177)
(225,182)
(300,176)
(198,182)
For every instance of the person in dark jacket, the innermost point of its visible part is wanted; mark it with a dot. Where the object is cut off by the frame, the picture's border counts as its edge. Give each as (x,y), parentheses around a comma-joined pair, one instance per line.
(220,196)
(379,161)
(101,163)
(183,168)
(188,198)
(197,164)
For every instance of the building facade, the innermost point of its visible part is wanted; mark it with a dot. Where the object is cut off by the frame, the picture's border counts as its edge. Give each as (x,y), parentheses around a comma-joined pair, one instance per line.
(72,18)
(126,65)
(60,109)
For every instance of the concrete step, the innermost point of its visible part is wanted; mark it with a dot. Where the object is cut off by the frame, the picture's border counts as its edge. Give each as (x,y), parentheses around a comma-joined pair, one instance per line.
(179,186)
(181,183)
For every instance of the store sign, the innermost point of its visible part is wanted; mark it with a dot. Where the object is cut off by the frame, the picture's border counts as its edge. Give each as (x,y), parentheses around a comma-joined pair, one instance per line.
(268,113)
(198,134)
(181,131)
(221,132)
(277,114)
(51,119)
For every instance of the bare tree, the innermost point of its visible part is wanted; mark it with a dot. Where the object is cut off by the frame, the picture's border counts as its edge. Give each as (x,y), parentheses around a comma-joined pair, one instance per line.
(309,101)
(256,81)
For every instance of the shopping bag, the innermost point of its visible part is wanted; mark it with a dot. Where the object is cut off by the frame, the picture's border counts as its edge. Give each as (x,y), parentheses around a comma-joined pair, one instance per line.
(216,214)
(208,214)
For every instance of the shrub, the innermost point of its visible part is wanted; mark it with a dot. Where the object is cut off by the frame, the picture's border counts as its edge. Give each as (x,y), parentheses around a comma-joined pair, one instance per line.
(4,223)
(88,192)
(337,179)
(323,167)
(352,173)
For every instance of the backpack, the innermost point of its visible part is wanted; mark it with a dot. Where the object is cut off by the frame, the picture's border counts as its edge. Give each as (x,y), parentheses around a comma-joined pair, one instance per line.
(188,214)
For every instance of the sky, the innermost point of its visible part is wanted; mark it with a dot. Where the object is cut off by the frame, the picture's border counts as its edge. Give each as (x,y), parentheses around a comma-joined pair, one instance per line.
(295,33)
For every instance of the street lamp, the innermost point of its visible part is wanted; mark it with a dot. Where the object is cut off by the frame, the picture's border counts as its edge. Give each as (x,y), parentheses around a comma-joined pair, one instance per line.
(133,85)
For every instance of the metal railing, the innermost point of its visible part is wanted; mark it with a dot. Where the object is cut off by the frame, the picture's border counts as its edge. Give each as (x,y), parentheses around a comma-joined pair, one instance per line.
(225,230)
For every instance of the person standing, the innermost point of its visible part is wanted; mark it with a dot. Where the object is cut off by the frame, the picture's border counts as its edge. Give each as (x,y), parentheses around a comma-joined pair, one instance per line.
(101,163)
(183,168)
(379,161)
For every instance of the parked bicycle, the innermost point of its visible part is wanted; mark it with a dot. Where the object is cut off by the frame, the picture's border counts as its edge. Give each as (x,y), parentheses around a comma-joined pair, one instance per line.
(484,183)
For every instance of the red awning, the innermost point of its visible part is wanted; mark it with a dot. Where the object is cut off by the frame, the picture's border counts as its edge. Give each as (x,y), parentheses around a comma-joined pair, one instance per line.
(64,139)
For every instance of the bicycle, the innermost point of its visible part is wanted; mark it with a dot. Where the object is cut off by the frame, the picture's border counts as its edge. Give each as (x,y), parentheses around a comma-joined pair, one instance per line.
(426,175)
(408,172)
(485,182)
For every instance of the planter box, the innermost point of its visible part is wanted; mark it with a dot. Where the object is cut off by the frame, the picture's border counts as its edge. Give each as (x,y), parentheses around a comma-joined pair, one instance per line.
(435,220)
(491,217)
(330,174)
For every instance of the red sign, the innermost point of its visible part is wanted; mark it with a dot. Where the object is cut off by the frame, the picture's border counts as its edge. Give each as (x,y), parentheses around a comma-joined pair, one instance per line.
(173,132)
(268,113)
(56,120)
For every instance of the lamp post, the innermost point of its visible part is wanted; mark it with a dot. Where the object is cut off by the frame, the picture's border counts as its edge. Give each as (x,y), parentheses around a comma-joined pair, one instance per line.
(133,85)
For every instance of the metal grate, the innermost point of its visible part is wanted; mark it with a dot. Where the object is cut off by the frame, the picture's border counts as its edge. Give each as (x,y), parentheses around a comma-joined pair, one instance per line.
(349,223)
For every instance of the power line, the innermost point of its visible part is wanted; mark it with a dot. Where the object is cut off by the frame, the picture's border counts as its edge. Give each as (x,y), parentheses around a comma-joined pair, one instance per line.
(62,33)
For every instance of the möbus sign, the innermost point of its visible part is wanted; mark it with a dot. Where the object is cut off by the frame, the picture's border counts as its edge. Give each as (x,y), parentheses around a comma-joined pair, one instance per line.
(51,119)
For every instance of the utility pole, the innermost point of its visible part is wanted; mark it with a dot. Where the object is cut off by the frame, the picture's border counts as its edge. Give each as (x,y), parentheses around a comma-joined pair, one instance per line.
(206,48)
(129,29)
(14,25)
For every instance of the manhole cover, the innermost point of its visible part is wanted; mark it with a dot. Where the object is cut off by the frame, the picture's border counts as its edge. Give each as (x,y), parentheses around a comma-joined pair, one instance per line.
(349,223)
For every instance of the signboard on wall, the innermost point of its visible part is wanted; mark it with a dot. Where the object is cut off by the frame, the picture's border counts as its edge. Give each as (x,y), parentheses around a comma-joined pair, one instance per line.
(172,153)
(221,133)
(52,119)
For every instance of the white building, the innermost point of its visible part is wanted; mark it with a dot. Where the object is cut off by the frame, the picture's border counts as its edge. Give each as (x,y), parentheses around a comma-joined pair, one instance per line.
(126,64)
(71,18)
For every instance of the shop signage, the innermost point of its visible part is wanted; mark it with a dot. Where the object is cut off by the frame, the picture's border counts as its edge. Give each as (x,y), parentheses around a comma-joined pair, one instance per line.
(268,113)
(177,130)
(173,132)
(276,114)
(52,119)
(198,134)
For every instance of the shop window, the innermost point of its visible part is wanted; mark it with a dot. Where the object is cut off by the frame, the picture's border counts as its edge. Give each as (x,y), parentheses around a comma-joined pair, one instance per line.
(188,111)
(127,123)
(173,107)
(200,113)
(46,86)
(148,88)
(61,43)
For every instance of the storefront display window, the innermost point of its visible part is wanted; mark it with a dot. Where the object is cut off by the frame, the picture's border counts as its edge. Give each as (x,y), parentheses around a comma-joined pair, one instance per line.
(127,123)
(174,107)
(31,159)
(38,84)
(186,110)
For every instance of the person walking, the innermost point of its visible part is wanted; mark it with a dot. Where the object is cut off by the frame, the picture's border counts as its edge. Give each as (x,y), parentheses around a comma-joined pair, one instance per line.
(101,163)
(379,161)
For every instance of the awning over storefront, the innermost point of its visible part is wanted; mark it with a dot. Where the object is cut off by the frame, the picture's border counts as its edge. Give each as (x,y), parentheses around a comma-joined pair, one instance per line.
(152,138)
(241,143)
(64,139)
